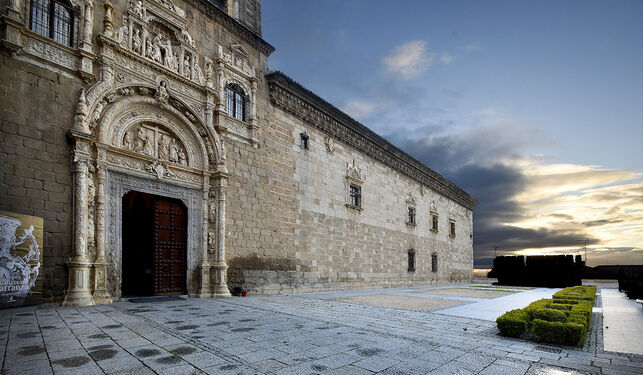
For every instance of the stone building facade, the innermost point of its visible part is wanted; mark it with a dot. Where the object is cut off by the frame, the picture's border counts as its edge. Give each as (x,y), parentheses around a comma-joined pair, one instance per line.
(163,154)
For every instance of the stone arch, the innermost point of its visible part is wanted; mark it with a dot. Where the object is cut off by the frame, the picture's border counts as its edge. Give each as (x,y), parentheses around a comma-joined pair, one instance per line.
(106,99)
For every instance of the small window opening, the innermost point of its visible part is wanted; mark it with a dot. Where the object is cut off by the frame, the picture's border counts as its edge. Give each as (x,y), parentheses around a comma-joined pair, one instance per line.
(355,196)
(452,228)
(434,222)
(411,254)
(303,141)
(434,262)
(411,218)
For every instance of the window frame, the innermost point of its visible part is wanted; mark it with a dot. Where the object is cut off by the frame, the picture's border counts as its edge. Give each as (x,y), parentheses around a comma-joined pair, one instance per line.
(451,228)
(51,10)
(435,222)
(304,140)
(411,260)
(411,215)
(434,262)
(354,195)
(235,97)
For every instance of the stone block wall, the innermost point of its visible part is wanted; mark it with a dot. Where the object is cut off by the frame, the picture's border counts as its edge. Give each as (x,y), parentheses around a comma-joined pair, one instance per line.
(290,229)
(36,109)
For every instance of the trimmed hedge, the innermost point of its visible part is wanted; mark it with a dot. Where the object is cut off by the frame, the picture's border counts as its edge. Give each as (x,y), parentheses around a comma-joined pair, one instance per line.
(513,323)
(561,320)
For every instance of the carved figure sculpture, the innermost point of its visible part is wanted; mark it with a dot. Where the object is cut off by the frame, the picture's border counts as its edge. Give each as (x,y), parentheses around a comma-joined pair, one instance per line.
(182,157)
(199,73)
(122,36)
(161,92)
(169,55)
(149,48)
(156,49)
(137,43)
(148,148)
(128,141)
(163,148)
(174,151)
(187,38)
(139,141)
(139,10)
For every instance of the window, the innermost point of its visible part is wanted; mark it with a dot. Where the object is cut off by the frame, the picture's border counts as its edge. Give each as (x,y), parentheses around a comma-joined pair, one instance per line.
(434,222)
(303,141)
(219,4)
(235,99)
(451,228)
(53,20)
(434,262)
(411,217)
(411,254)
(355,196)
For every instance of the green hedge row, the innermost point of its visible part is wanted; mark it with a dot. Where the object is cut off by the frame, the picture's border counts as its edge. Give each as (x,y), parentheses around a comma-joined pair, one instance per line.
(561,320)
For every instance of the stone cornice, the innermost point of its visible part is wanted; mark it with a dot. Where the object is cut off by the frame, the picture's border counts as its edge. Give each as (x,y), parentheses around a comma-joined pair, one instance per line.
(233,25)
(291,97)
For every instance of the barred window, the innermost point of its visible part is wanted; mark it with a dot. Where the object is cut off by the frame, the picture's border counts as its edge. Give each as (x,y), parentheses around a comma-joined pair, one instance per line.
(355,198)
(434,262)
(52,19)
(411,218)
(411,259)
(452,228)
(303,141)
(236,102)
(434,221)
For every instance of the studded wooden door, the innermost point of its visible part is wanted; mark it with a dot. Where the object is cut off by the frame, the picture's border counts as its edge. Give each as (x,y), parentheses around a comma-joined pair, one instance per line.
(170,245)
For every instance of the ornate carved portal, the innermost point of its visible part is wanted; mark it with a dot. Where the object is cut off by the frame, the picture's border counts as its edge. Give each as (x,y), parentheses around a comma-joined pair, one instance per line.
(147,126)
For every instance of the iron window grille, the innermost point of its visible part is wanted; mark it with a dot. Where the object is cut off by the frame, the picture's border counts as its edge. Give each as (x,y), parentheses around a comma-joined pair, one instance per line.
(303,140)
(236,100)
(434,222)
(452,228)
(355,196)
(411,260)
(434,262)
(53,19)
(411,218)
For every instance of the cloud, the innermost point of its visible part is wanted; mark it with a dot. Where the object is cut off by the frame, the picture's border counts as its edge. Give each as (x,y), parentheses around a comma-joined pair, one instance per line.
(446,59)
(527,205)
(409,59)
(360,109)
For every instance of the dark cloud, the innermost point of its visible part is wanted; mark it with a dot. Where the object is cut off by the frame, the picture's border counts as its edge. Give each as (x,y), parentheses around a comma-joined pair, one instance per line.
(470,164)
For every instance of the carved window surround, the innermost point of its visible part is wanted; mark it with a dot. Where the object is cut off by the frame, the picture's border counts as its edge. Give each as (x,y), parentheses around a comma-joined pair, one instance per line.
(49,52)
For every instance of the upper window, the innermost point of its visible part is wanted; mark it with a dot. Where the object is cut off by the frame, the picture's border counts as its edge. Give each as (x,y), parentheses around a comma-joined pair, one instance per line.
(355,197)
(434,222)
(303,140)
(411,215)
(451,228)
(52,19)
(235,105)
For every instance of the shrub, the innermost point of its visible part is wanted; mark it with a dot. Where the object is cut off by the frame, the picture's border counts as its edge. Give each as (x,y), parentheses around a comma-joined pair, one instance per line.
(587,293)
(512,323)
(559,332)
(561,320)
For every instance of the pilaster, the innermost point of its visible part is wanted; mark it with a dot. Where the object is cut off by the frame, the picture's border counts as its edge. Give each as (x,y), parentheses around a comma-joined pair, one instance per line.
(220,266)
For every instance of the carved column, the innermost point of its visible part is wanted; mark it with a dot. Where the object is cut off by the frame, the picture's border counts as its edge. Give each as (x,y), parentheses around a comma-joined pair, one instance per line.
(108,23)
(220,267)
(253,113)
(11,25)
(78,292)
(87,56)
(101,294)
(204,266)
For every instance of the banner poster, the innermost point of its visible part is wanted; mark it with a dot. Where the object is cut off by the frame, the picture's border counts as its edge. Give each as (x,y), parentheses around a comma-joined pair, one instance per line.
(21,239)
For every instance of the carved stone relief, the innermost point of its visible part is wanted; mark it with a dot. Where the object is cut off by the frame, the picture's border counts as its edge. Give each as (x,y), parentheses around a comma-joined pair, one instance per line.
(154,141)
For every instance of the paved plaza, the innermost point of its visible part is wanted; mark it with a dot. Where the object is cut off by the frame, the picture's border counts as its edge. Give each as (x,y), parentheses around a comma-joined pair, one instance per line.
(320,333)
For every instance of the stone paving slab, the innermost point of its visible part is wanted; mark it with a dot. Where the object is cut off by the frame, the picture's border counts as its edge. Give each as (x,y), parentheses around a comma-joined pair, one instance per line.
(402,302)
(297,334)
(622,322)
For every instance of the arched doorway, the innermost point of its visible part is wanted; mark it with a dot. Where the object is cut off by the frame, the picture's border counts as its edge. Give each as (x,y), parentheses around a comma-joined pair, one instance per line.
(154,245)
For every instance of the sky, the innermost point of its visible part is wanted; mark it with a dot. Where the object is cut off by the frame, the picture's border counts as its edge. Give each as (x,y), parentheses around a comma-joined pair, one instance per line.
(533,107)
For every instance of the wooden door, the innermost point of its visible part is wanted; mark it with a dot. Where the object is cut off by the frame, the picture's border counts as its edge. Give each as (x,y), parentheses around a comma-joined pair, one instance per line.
(170,247)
